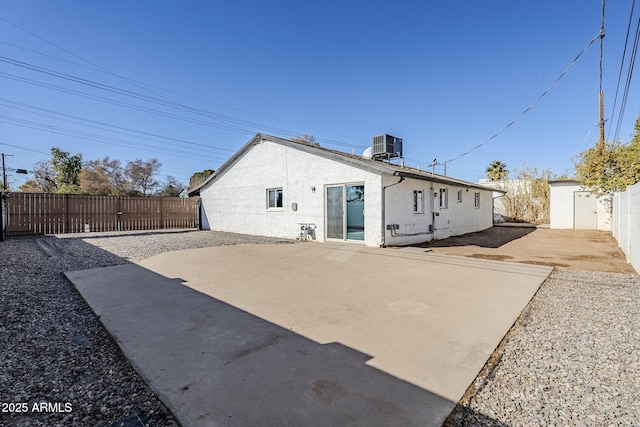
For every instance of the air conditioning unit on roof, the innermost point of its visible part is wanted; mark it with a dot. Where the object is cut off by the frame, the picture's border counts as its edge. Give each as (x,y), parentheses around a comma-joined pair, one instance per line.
(386,147)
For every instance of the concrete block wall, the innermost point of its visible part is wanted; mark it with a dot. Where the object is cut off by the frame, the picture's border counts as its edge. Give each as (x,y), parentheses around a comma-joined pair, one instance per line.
(634,226)
(626,223)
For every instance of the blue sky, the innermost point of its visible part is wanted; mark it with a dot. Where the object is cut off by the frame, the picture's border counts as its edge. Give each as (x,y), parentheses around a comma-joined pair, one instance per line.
(189,83)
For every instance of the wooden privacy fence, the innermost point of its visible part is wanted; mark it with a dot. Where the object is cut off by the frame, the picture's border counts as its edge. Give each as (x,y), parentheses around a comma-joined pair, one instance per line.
(43,213)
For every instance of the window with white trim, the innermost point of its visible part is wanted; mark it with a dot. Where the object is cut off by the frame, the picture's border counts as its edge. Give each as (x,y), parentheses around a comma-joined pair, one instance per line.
(444,199)
(477,199)
(459,196)
(274,198)
(418,201)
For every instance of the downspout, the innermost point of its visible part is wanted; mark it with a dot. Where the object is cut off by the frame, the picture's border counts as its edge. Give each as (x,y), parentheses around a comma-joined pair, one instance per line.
(432,206)
(384,207)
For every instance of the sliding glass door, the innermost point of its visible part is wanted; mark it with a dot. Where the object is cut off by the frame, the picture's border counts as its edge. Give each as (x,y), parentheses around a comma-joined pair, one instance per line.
(345,212)
(335,212)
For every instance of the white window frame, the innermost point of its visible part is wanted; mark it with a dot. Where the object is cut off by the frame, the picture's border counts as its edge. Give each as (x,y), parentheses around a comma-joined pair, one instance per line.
(276,207)
(460,196)
(444,199)
(418,201)
(476,200)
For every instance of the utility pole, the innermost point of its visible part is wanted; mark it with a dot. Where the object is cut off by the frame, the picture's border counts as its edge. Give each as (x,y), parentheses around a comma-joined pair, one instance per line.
(4,187)
(4,173)
(601,94)
(2,193)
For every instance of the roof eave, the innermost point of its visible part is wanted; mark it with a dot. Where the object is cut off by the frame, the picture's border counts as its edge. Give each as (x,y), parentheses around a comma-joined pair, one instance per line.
(445,180)
(362,163)
(196,190)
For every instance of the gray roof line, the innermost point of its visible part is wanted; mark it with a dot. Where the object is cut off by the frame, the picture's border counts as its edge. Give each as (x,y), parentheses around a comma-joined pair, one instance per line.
(370,165)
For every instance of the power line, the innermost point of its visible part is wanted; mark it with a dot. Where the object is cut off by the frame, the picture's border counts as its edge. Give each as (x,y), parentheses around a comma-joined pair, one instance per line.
(97,138)
(624,53)
(225,122)
(119,103)
(89,62)
(25,149)
(526,110)
(230,123)
(601,93)
(632,60)
(35,110)
(141,84)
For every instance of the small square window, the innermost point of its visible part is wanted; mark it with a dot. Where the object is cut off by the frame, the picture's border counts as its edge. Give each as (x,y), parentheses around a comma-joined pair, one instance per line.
(444,202)
(418,201)
(274,198)
(477,200)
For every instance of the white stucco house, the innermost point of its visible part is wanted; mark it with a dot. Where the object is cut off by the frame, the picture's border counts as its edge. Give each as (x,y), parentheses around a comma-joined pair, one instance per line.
(282,188)
(573,206)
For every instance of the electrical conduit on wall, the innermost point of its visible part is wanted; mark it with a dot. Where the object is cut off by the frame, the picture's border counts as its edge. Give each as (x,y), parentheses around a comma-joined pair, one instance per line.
(393,231)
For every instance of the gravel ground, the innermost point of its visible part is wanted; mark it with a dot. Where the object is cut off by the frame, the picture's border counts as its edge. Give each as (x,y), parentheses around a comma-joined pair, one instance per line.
(58,365)
(573,357)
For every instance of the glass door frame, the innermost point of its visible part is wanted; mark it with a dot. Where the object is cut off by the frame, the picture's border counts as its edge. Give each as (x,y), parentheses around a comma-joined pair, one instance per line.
(345,233)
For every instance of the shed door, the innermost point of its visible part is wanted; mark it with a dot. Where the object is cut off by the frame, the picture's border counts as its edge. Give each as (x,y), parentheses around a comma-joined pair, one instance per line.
(585,211)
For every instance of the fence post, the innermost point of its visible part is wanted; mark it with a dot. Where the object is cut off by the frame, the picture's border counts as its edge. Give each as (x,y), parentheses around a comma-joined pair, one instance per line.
(66,213)
(118,215)
(199,213)
(161,199)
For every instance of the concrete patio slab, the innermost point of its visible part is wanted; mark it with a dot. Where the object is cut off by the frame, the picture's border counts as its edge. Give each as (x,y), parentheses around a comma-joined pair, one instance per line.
(309,334)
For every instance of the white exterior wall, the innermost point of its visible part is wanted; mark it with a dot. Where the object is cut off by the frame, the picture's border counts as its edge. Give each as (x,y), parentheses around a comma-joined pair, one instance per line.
(626,224)
(458,218)
(236,201)
(634,226)
(621,230)
(561,210)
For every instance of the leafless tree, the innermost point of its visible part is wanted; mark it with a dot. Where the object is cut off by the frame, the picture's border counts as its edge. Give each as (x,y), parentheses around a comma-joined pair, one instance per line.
(140,176)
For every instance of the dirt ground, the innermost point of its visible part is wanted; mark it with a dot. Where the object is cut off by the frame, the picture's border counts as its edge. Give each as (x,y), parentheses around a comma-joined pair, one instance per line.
(575,249)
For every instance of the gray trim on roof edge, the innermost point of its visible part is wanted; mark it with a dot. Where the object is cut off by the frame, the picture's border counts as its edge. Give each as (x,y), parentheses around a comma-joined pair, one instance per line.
(234,156)
(370,165)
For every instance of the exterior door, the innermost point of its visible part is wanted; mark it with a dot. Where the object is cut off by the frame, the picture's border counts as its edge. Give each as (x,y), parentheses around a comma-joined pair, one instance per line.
(345,212)
(585,211)
(335,212)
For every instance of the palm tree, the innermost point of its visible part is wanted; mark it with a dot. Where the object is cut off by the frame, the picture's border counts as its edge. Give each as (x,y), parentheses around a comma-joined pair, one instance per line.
(497,171)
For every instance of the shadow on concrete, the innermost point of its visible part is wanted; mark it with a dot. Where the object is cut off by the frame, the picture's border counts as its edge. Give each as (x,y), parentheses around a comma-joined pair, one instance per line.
(493,237)
(214,364)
